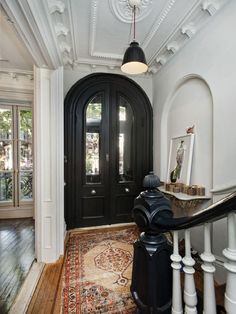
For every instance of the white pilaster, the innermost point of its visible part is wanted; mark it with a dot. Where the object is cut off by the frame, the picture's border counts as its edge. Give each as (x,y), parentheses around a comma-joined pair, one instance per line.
(48,161)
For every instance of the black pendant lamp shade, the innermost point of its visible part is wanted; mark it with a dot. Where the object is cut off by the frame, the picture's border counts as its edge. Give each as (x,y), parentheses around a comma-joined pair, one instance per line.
(134,61)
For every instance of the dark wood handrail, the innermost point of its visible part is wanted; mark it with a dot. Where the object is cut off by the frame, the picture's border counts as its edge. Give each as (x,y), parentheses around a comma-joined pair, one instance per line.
(213,212)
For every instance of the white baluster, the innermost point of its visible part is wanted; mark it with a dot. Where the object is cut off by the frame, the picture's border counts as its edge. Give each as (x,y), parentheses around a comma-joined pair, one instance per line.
(230,265)
(209,306)
(190,295)
(176,292)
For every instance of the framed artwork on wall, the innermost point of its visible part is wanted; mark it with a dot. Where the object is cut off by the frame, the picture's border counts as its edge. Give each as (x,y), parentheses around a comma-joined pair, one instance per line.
(180,159)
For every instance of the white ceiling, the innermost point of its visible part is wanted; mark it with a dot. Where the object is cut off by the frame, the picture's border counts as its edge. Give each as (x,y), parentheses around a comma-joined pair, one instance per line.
(13,53)
(95,33)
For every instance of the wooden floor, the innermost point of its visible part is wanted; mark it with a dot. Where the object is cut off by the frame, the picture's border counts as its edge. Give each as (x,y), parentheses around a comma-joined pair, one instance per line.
(17,253)
(47,296)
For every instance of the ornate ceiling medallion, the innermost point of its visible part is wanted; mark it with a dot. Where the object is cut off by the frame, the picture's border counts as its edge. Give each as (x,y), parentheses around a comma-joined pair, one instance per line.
(122,10)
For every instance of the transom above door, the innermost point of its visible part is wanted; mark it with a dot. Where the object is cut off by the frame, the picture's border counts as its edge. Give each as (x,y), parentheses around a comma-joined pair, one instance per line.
(108,140)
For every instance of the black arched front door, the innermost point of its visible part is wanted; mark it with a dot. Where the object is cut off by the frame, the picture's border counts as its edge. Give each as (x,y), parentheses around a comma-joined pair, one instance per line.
(108,149)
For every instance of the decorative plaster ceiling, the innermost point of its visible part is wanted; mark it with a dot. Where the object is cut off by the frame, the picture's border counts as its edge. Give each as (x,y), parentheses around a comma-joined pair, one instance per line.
(96,33)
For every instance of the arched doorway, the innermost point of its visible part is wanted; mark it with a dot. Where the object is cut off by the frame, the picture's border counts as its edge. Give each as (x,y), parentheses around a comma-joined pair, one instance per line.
(108,149)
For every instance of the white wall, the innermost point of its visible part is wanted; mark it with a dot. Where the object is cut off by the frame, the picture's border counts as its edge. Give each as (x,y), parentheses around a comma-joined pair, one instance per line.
(185,109)
(210,57)
(72,76)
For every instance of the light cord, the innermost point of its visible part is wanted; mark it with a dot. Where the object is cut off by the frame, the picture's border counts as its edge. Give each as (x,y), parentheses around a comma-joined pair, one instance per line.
(134,21)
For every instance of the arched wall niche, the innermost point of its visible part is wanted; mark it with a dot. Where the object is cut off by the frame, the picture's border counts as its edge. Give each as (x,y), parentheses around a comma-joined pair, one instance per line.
(190,103)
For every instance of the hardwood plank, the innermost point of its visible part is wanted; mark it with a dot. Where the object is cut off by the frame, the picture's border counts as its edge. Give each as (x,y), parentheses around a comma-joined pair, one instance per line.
(48,293)
(45,296)
(16,257)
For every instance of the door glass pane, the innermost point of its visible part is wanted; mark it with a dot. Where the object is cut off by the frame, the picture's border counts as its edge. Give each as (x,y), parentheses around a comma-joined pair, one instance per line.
(6,186)
(5,124)
(92,140)
(26,185)
(125,140)
(25,125)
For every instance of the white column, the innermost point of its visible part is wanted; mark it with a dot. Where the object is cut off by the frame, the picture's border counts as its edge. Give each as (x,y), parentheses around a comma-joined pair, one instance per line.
(208,268)
(230,265)
(49,164)
(176,290)
(190,295)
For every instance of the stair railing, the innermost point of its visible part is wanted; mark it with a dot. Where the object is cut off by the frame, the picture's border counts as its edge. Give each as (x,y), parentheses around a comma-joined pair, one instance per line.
(164,222)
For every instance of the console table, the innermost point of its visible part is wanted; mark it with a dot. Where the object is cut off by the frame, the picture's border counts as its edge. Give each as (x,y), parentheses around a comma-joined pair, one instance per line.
(184,204)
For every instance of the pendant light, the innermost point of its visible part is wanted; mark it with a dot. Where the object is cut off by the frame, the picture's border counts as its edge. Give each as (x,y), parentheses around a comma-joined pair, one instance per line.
(134,61)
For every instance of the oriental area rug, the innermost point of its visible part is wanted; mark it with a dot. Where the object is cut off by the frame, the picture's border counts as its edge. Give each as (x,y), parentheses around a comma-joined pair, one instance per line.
(97,272)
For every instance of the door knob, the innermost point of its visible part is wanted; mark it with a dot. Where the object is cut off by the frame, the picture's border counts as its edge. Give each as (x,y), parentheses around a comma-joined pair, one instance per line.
(93,192)
(127,190)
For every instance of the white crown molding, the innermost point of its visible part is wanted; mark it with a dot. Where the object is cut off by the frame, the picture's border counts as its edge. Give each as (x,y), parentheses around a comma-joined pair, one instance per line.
(158,23)
(98,62)
(73,40)
(31,21)
(41,14)
(56,6)
(68,60)
(153,69)
(61,29)
(93,26)
(175,31)
(194,20)
(17,71)
(99,68)
(188,29)
(162,60)
(172,47)
(107,55)
(65,48)
(124,12)
(211,6)
(62,25)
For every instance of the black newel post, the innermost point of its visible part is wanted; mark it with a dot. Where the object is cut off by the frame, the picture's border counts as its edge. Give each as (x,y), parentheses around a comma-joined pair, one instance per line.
(151,285)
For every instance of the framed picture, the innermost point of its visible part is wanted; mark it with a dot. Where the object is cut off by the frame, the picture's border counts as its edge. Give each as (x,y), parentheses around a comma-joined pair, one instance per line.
(180,159)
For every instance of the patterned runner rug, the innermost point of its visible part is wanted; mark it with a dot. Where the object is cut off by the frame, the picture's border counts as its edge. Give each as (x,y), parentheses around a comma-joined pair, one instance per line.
(97,272)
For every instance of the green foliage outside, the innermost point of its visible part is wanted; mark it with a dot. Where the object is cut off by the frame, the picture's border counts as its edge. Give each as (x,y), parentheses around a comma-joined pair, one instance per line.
(94,111)
(5,123)
(25,128)
(26,122)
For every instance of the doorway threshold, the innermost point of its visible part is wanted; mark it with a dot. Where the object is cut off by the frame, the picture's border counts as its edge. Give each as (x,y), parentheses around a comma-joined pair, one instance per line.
(120,225)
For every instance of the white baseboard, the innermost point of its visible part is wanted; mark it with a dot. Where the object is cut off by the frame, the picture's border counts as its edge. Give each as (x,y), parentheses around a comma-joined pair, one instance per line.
(23,299)
(16,213)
